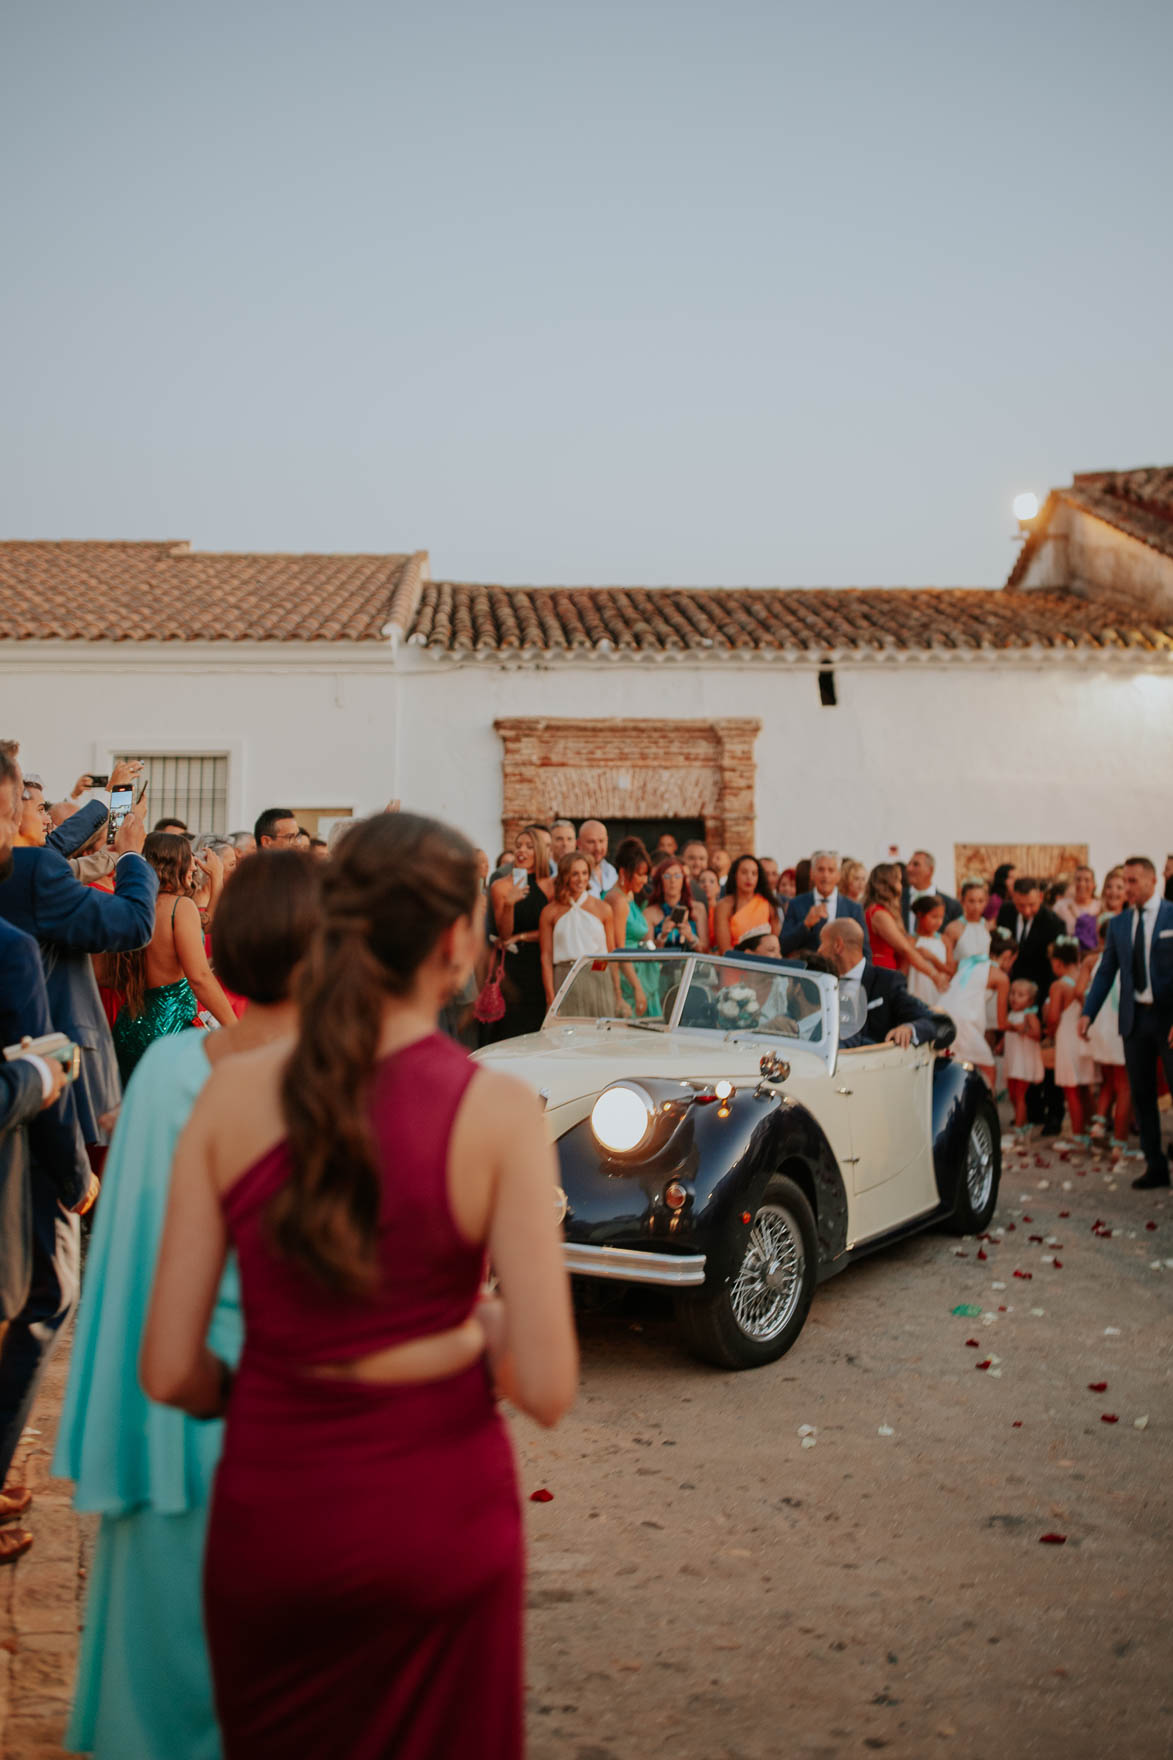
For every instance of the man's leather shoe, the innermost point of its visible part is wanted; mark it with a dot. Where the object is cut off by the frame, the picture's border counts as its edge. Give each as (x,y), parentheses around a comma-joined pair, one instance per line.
(14,1500)
(1150,1182)
(14,1542)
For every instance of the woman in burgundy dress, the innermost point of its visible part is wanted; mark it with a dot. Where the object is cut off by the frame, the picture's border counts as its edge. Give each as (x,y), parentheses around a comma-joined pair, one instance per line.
(363,1580)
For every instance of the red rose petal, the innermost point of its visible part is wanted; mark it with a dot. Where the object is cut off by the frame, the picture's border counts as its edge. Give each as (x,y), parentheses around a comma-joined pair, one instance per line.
(1028,1219)
(1065,1213)
(1025,1275)
(982,1254)
(1017,1424)
(542,1496)
(1003,1310)
(1150,1225)
(984,1365)
(1056,1264)
(1052,1539)
(1109,1418)
(1097,1387)
(972,1344)
(1010,1227)
(1035,1237)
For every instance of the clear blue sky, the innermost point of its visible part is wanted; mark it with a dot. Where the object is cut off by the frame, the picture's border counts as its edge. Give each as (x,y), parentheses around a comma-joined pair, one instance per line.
(717,293)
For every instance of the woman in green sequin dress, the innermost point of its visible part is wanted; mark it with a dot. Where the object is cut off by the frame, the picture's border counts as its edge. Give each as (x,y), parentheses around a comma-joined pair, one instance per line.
(166,983)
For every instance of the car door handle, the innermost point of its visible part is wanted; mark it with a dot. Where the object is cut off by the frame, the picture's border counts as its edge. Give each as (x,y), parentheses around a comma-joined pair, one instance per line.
(843,1090)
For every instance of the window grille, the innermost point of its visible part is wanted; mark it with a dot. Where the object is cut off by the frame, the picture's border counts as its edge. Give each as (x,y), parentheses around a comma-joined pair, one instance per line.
(192,786)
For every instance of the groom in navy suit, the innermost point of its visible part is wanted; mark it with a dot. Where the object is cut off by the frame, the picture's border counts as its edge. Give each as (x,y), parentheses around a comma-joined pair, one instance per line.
(824,903)
(1139,949)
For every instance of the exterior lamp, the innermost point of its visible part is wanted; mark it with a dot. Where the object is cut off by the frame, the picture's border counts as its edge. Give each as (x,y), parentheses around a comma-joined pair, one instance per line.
(1026,508)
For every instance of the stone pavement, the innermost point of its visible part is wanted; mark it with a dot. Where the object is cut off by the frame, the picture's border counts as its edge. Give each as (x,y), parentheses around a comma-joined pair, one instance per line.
(42,1596)
(704,1587)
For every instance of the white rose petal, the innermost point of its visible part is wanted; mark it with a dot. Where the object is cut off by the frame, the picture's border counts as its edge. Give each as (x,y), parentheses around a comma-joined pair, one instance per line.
(808,1441)
(1141,1423)
(887,1430)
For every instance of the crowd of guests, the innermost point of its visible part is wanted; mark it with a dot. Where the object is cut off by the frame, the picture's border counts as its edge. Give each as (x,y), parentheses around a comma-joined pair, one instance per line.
(226,1053)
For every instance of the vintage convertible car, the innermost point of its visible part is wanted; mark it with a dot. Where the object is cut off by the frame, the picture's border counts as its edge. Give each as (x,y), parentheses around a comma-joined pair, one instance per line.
(725,1144)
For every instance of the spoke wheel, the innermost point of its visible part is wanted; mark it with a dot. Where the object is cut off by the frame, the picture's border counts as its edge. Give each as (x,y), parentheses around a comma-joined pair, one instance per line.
(979,1164)
(768,1287)
(762,1278)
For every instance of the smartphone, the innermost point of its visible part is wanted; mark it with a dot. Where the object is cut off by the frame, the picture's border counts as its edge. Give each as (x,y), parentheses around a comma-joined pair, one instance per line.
(99,781)
(680,913)
(121,803)
(520,876)
(51,1046)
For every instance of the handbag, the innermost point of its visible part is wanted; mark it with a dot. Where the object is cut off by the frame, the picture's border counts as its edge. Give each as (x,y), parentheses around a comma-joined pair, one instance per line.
(490,1003)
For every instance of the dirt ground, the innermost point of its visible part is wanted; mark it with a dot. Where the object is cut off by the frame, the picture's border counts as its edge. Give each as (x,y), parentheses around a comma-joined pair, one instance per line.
(703,1585)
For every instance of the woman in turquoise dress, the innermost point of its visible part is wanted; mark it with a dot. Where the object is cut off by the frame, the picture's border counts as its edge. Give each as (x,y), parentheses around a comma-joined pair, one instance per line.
(143,1684)
(639,981)
(166,983)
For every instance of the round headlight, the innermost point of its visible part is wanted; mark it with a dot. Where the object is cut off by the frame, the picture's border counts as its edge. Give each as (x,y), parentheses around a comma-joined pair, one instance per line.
(622,1117)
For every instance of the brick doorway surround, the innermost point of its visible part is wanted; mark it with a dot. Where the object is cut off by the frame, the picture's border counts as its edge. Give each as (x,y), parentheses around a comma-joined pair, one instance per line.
(632,769)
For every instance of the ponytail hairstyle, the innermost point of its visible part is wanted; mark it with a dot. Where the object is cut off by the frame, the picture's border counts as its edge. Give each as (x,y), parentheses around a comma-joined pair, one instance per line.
(394,885)
(169,853)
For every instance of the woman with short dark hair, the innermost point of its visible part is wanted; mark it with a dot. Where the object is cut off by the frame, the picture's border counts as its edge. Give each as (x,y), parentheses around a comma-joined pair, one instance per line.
(143,1682)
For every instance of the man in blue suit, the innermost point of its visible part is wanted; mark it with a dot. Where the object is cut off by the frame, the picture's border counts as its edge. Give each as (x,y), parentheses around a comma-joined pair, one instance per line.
(1139,950)
(45,1182)
(71,922)
(824,903)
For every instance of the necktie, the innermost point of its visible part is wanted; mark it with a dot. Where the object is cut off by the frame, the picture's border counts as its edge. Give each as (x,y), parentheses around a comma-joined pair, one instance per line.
(1140,976)
(1021,929)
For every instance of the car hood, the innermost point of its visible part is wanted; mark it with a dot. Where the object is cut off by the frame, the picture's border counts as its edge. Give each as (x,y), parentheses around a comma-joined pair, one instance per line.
(570,1065)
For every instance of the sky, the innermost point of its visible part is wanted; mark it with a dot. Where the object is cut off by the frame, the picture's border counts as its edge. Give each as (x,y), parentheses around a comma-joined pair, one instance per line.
(619,292)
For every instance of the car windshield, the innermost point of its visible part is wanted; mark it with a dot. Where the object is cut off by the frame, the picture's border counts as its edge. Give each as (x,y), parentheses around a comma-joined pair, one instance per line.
(728,995)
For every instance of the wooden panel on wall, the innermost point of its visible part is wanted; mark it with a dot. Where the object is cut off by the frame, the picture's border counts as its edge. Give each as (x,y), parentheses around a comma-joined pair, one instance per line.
(1044,861)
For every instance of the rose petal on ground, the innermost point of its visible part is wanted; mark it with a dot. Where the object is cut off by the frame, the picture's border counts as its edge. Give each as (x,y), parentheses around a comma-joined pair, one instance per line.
(1109,1418)
(806,1430)
(885,1430)
(1025,1275)
(1038,1312)
(1010,1227)
(995,1374)
(1097,1387)
(1052,1539)
(1028,1219)
(1169,1263)
(1155,1265)
(1017,1424)
(542,1496)
(808,1442)
(972,1344)
(1111,1332)
(1141,1423)
(1058,1264)
(1035,1237)
(1043,1183)
(982,1254)
(984,1365)
(1150,1225)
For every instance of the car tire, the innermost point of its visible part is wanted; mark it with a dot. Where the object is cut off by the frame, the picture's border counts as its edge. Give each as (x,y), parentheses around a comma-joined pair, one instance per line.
(747,1322)
(981,1173)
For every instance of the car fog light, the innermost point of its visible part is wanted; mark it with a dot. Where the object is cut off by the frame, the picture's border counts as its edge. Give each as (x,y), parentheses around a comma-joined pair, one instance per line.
(622,1118)
(675,1195)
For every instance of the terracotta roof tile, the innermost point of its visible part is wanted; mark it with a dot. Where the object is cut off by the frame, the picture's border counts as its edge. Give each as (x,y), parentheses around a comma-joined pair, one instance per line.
(127,592)
(731,621)
(1138,503)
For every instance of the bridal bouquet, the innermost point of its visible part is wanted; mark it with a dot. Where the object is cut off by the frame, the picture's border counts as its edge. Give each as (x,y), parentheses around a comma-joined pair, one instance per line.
(739,1007)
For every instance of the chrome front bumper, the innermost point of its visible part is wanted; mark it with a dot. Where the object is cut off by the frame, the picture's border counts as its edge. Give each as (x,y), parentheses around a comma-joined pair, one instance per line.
(628,1266)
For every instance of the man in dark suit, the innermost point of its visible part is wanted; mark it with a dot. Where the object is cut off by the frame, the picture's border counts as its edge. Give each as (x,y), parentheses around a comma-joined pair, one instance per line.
(44,1173)
(824,903)
(892,1015)
(1139,950)
(919,871)
(1034,928)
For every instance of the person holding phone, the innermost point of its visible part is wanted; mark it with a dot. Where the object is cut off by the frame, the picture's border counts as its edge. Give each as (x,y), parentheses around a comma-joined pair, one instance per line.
(574,925)
(517,901)
(675,918)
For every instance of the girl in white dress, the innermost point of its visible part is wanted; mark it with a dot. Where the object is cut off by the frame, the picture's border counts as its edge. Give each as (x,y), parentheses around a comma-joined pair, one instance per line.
(977,980)
(572,925)
(1024,1059)
(968,935)
(930,915)
(1075,1068)
(1107,1047)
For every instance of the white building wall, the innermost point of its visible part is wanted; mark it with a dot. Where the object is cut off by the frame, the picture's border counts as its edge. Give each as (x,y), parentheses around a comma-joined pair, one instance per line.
(914,754)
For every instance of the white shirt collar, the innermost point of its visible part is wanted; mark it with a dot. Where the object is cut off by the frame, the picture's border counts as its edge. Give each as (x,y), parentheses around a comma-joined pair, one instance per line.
(855,975)
(830,897)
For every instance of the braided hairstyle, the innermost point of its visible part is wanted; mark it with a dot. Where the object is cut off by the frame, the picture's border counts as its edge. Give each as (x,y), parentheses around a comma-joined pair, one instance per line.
(396,883)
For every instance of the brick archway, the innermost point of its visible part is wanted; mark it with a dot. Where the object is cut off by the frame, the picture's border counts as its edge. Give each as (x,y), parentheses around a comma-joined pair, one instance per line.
(632,769)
